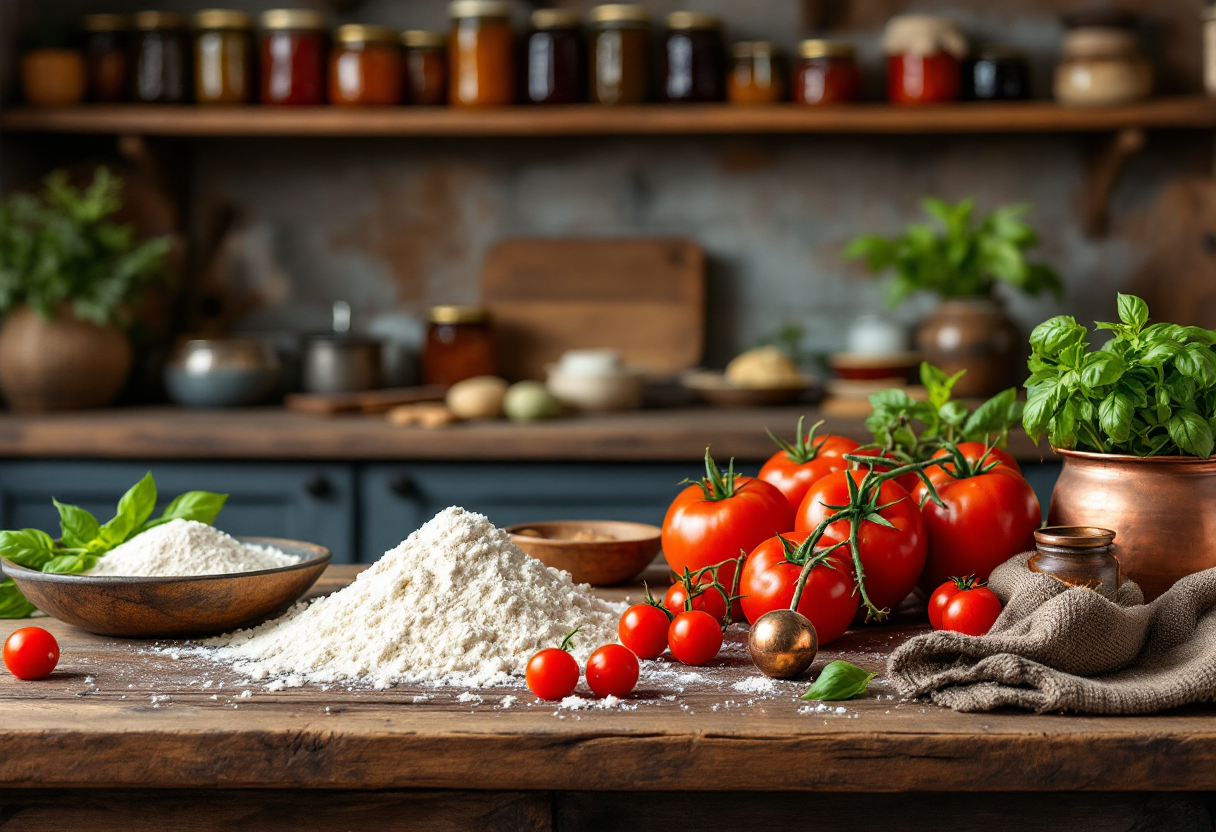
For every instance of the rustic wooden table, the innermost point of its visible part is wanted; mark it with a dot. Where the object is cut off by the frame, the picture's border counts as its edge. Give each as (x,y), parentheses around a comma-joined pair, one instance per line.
(128,735)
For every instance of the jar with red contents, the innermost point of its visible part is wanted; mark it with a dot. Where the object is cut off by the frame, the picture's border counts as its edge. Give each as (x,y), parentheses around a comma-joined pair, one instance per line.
(827,73)
(924,55)
(459,345)
(293,51)
(366,66)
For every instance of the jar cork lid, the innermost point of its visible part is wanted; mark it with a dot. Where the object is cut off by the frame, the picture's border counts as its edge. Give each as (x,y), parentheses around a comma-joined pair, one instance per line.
(692,20)
(923,34)
(554,19)
(103,23)
(361,33)
(459,315)
(1074,537)
(292,19)
(478,8)
(147,21)
(626,13)
(817,48)
(419,39)
(222,19)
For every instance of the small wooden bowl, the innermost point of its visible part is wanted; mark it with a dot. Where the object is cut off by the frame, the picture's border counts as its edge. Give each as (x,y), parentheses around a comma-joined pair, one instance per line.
(713,387)
(595,562)
(116,605)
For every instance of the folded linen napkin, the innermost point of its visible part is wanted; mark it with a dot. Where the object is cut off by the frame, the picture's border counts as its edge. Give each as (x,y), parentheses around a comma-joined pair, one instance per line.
(1061,648)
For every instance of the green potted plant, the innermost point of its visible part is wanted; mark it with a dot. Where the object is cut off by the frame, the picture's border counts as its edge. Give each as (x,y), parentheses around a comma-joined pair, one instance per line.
(962,261)
(1134,423)
(68,276)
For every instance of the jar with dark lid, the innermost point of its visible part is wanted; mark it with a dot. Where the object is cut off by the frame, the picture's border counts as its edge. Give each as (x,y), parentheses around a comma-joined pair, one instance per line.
(223,57)
(755,77)
(827,73)
(1078,556)
(366,66)
(693,69)
(107,52)
(426,67)
(162,58)
(292,52)
(481,54)
(459,345)
(620,54)
(997,73)
(556,60)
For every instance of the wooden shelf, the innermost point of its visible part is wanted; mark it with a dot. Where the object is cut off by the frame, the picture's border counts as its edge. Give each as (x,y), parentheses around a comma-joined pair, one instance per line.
(1184,112)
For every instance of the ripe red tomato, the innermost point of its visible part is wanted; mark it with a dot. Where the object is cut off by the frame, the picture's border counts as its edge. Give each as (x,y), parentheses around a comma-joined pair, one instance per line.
(710,600)
(643,629)
(828,600)
(972,611)
(795,467)
(738,515)
(612,670)
(552,673)
(695,637)
(986,520)
(893,558)
(938,600)
(31,653)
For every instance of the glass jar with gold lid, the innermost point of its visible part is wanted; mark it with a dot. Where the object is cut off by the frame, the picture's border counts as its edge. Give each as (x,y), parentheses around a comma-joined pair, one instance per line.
(223,57)
(161,58)
(481,54)
(826,73)
(366,66)
(293,51)
(755,76)
(107,56)
(459,345)
(426,67)
(620,47)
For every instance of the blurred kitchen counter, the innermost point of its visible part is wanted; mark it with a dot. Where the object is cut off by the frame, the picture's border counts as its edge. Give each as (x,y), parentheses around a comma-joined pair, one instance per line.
(172,433)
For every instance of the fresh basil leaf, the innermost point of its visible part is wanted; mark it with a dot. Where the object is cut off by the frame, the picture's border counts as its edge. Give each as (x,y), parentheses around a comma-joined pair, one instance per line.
(12,603)
(30,548)
(79,527)
(1159,353)
(1192,433)
(1063,430)
(839,680)
(1163,410)
(1115,416)
(991,417)
(203,506)
(1055,334)
(1102,368)
(953,413)
(134,509)
(72,564)
(1133,311)
(893,398)
(1037,416)
(1197,362)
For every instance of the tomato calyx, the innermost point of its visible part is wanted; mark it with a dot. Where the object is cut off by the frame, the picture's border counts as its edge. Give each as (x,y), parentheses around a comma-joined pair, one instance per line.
(694,586)
(568,641)
(967,582)
(965,468)
(651,601)
(804,448)
(715,486)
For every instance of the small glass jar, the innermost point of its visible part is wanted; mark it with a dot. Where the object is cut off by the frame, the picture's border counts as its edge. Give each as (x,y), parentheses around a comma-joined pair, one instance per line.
(1078,556)
(107,55)
(827,73)
(426,67)
(755,77)
(52,77)
(223,57)
(620,48)
(693,68)
(1102,64)
(556,59)
(292,57)
(162,58)
(459,345)
(923,59)
(366,66)
(997,74)
(481,54)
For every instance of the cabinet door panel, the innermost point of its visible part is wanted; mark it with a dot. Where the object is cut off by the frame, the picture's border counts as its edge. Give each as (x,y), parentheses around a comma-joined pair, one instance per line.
(296,501)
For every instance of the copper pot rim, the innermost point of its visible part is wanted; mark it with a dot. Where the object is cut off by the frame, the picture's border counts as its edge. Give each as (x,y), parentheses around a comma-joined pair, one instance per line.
(1093,456)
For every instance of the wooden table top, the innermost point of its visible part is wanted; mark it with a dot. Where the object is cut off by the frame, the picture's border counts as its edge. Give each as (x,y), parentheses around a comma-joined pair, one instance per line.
(675,435)
(118,714)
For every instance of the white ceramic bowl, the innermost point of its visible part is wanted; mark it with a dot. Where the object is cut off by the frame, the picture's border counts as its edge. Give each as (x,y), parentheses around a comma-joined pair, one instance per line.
(597,394)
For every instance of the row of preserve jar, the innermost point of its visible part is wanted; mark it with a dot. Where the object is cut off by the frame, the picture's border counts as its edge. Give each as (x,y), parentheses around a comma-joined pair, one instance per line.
(148,59)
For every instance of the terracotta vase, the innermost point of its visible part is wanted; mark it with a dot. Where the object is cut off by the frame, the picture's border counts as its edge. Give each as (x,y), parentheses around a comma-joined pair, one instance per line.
(974,334)
(60,364)
(1162,510)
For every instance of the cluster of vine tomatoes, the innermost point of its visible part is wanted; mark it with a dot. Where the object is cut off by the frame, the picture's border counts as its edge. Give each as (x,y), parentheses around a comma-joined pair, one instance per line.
(612,670)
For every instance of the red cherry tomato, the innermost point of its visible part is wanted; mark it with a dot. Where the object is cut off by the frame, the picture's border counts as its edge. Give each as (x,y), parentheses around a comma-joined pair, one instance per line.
(710,600)
(612,670)
(938,600)
(893,558)
(695,637)
(31,653)
(552,673)
(828,600)
(793,469)
(986,520)
(699,532)
(643,629)
(972,611)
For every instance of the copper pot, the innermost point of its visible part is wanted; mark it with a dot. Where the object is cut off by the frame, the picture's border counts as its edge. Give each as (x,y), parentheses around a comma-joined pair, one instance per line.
(1162,509)
(976,335)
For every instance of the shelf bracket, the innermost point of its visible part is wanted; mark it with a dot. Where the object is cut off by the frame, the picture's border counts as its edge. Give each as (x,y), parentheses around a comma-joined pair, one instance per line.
(1105,169)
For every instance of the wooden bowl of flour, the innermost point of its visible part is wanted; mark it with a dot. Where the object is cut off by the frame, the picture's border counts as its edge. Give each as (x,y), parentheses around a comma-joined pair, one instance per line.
(196,605)
(596,552)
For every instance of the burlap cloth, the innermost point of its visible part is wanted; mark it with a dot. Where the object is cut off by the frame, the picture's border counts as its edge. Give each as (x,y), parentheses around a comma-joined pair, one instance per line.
(1056,648)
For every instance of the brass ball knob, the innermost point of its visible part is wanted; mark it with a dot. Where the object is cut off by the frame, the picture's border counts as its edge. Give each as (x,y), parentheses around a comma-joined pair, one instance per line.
(783,644)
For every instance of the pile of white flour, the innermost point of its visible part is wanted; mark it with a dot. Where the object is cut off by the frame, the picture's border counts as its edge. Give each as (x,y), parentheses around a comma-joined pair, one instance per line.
(187,547)
(456,603)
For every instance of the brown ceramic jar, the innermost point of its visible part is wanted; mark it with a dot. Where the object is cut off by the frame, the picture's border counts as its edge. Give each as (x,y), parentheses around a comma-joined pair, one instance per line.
(976,335)
(1078,556)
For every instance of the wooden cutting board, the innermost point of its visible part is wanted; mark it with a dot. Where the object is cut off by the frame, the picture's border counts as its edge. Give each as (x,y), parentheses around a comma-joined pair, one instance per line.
(644,298)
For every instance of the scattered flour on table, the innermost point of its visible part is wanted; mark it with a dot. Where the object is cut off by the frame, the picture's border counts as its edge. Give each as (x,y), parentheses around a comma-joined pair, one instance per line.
(755,684)
(456,603)
(187,547)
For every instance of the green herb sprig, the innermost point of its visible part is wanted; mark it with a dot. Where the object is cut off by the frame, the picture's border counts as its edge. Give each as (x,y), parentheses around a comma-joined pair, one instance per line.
(83,540)
(1149,391)
(839,680)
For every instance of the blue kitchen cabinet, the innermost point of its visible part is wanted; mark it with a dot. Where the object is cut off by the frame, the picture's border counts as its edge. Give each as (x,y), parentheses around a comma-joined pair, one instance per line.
(300,501)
